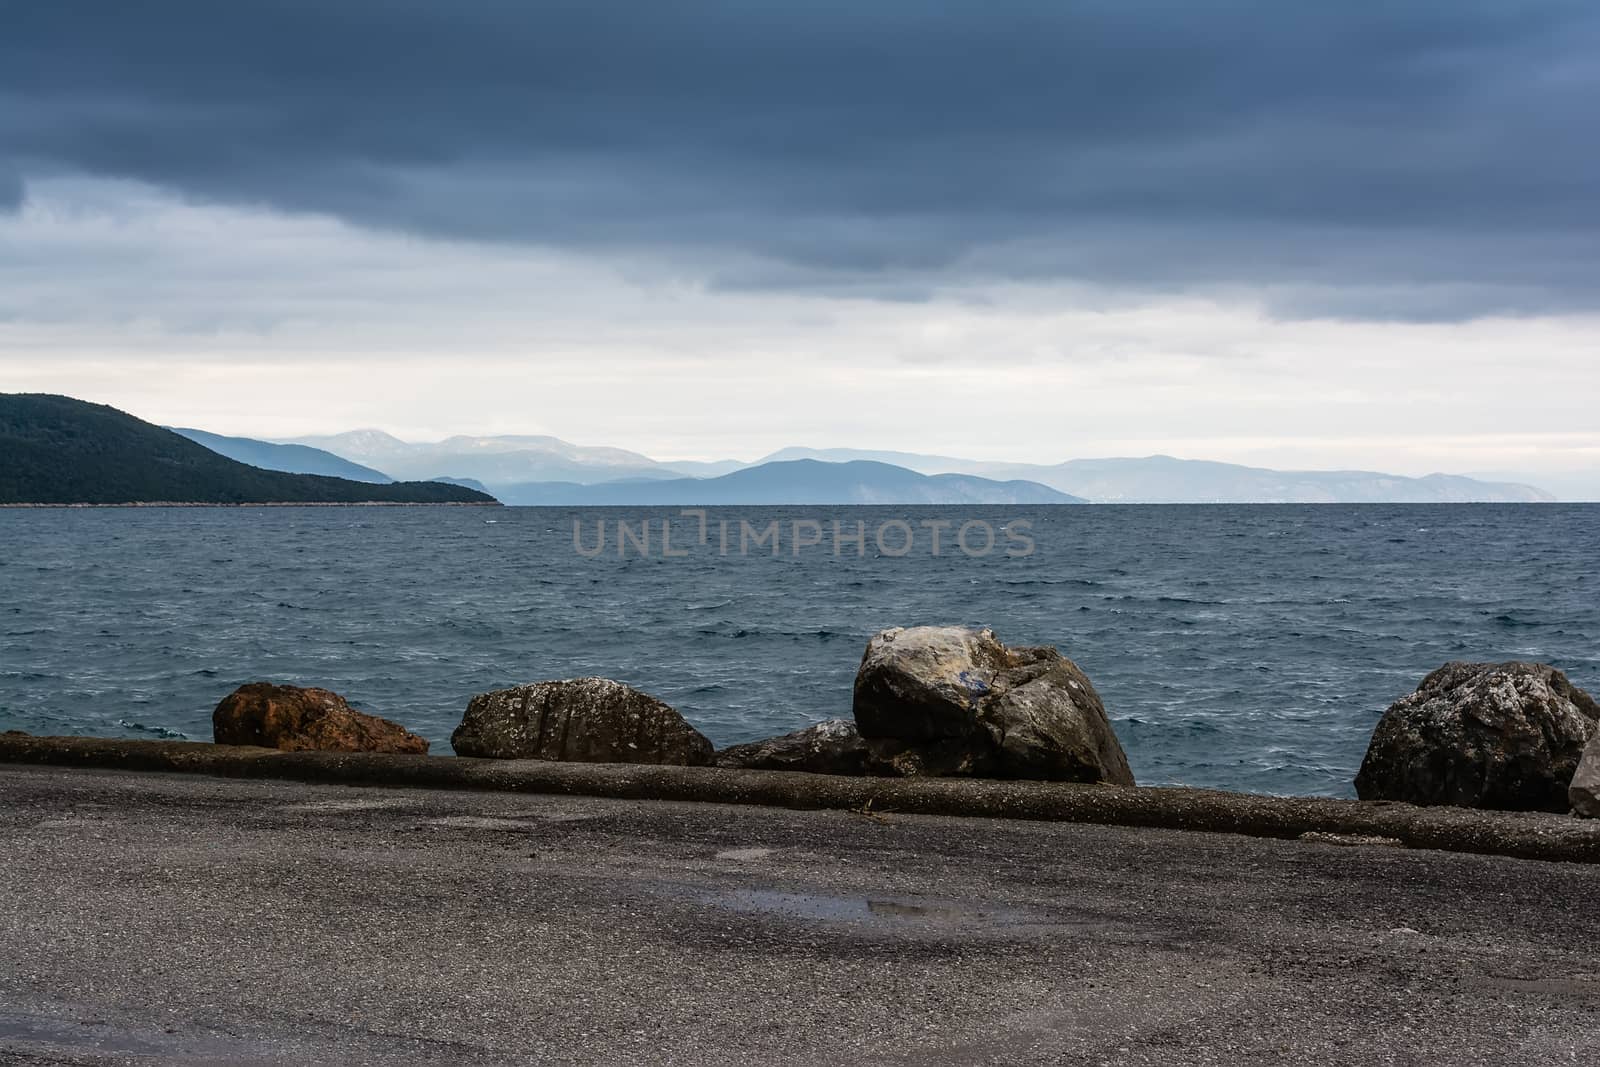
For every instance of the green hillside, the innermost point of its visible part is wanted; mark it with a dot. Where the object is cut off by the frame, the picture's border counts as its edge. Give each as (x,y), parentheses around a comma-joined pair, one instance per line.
(57,450)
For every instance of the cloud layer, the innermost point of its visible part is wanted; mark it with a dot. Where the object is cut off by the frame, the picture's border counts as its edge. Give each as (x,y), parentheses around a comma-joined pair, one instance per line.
(274,325)
(1403,159)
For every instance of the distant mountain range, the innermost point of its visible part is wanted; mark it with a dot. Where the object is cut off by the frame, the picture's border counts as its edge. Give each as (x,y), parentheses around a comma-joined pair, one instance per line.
(1569,484)
(522,469)
(57,450)
(504,460)
(548,470)
(295,459)
(1165,480)
(802,481)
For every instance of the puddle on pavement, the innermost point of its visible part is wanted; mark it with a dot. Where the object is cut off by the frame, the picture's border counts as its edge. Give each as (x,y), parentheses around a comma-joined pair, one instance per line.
(21,1029)
(876,911)
(744,855)
(107,1039)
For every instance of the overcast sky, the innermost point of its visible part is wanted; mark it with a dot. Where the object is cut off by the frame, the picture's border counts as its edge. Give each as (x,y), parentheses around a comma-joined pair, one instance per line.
(1280,232)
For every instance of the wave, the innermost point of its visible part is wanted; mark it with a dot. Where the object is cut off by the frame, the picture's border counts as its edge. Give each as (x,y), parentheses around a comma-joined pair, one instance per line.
(155,731)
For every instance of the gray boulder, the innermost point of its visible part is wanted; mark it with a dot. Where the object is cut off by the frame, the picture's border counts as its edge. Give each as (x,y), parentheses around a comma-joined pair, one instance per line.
(1584,792)
(1481,735)
(957,701)
(836,747)
(832,747)
(585,720)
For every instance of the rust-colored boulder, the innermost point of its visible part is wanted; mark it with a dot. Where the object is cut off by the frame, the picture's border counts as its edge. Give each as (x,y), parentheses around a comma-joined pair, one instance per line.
(294,719)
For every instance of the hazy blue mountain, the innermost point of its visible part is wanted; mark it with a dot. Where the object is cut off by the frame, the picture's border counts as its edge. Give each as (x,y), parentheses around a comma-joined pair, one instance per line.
(805,481)
(1573,485)
(367,444)
(292,459)
(706,468)
(493,461)
(915,461)
(470,483)
(1165,480)
(518,467)
(57,450)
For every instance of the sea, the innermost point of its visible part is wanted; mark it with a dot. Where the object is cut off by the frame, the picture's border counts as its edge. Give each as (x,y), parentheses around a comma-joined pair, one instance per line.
(1248,648)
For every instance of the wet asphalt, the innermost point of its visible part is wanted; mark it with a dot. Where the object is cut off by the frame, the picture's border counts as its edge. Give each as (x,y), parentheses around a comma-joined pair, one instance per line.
(156,918)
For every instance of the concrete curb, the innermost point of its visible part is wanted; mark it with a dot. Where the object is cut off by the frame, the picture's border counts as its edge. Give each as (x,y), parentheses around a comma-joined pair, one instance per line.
(1530,835)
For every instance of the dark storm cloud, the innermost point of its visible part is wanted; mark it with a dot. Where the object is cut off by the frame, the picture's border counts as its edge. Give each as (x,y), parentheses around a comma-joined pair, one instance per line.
(1378,149)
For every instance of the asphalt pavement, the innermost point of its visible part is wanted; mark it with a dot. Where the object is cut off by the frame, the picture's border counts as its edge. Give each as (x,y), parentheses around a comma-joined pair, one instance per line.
(164,918)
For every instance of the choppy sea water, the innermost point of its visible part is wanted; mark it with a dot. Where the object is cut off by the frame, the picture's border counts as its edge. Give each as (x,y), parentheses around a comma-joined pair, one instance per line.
(1240,647)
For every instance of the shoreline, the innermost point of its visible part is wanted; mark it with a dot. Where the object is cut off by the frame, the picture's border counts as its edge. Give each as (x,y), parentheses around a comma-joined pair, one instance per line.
(279,504)
(662,507)
(1527,835)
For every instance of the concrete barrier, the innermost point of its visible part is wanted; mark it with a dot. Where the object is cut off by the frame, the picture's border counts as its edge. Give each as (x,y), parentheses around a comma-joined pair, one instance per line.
(1529,835)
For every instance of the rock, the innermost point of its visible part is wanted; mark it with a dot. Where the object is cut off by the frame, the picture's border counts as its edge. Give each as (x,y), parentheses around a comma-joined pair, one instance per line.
(1584,793)
(832,747)
(1506,736)
(584,720)
(962,703)
(925,683)
(295,719)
